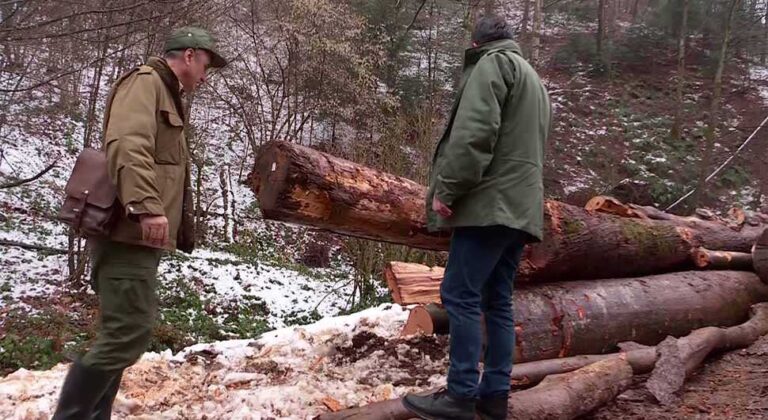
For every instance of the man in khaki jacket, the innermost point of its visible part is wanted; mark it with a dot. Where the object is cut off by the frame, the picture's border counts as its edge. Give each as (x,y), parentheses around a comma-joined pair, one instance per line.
(148,160)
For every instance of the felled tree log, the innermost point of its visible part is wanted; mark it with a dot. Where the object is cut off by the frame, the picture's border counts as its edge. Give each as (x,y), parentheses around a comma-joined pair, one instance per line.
(558,397)
(698,343)
(706,259)
(760,256)
(426,319)
(570,395)
(678,358)
(591,381)
(299,185)
(586,317)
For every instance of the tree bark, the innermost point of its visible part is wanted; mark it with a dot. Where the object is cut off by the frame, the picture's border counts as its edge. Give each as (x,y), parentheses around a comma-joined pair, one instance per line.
(677,127)
(299,185)
(555,320)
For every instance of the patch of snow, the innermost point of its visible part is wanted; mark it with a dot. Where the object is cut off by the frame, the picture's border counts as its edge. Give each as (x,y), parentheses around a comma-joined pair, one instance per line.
(286,374)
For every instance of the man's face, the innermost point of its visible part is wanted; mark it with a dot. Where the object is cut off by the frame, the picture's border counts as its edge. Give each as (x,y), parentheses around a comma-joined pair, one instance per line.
(196,65)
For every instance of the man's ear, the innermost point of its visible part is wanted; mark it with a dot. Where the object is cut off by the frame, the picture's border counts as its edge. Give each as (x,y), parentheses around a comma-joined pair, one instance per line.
(189,55)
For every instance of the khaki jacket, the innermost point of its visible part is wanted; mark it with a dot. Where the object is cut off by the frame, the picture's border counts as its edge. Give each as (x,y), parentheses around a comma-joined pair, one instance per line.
(147,153)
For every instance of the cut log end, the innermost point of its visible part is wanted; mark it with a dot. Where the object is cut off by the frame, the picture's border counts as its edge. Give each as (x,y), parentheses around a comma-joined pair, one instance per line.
(269,176)
(430,319)
(419,322)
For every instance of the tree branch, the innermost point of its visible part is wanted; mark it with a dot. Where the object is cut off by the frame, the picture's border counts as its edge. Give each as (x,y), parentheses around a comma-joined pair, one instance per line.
(28,180)
(33,247)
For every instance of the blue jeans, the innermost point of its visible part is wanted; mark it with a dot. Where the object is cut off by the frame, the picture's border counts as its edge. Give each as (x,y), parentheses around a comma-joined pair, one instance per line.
(479,278)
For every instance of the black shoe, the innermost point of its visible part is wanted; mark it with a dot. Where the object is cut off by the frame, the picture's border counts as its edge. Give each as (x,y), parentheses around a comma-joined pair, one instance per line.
(82,390)
(492,408)
(103,410)
(440,406)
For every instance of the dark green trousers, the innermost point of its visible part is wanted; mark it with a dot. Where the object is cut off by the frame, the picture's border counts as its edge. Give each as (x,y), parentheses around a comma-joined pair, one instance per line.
(125,278)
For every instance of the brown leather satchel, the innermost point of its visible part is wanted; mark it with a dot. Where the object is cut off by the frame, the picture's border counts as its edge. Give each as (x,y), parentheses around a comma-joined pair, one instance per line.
(90,207)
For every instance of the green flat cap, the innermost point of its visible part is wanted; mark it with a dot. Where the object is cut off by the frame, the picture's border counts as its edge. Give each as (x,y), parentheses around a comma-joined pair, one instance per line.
(191,37)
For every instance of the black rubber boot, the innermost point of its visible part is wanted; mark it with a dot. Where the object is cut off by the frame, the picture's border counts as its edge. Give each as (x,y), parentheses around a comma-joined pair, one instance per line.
(82,390)
(439,406)
(492,408)
(103,410)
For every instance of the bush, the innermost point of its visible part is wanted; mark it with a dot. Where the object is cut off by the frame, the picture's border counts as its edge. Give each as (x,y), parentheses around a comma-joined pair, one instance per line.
(580,49)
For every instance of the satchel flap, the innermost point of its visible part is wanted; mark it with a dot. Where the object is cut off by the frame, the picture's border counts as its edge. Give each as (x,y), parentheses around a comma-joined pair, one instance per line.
(90,178)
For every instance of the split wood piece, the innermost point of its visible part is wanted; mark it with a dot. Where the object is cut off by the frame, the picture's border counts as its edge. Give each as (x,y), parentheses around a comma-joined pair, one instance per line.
(610,205)
(591,317)
(413,283)
(299,185)
(721,260)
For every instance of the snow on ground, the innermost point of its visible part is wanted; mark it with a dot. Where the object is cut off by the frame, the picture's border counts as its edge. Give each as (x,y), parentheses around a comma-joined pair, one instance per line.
(760,74)
(283,290)
(293,373)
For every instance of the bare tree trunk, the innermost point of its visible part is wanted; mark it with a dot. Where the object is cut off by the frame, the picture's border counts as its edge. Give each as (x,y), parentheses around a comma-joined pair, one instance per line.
(536,41)
(714,108)
(225,197)
(524,35)
(676,128)
(600,29)
(200,229)
(764,50)
(235,221)
(635,8)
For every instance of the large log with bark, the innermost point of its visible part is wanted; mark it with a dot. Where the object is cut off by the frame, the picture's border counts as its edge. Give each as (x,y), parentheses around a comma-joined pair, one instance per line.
(559,397)
(706,259)
(562,319)
(299,185)
(583,384)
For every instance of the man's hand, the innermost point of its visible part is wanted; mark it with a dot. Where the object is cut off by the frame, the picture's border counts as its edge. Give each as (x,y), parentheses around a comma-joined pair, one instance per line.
(440,208)
(154,230)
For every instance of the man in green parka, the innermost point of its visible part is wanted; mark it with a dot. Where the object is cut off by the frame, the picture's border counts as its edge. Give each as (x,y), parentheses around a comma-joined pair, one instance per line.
(486,186)
(148,161)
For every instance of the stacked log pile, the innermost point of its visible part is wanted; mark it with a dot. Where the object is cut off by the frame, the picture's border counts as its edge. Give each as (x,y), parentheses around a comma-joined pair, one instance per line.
(606,274)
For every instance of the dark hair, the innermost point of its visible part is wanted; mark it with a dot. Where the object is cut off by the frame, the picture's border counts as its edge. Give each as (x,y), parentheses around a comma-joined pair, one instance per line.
(490,28)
